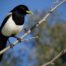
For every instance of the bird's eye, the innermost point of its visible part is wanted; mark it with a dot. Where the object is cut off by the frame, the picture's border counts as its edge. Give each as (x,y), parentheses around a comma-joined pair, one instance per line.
(23,8)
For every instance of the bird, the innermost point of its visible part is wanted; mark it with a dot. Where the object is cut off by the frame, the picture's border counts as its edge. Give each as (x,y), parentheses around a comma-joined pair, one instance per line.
(12,25)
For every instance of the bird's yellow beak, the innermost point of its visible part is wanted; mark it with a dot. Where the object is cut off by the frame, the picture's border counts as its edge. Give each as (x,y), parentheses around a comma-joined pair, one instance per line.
(29,12)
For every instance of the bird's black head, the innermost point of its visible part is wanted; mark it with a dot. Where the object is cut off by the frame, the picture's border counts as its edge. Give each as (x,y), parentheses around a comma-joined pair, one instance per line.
(21,9)
(18,14)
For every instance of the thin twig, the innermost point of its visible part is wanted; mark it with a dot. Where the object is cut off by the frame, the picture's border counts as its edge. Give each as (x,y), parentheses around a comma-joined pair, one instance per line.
(29,31)
(55,58)
(31,38)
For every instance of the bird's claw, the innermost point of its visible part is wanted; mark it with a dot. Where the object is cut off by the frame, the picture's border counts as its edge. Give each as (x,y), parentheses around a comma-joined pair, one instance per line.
(19,39)
(25,30)
(11,45)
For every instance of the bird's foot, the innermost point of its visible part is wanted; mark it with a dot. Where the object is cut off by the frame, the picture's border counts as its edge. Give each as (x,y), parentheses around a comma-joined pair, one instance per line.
(25,30)
(11,45)
(19,39)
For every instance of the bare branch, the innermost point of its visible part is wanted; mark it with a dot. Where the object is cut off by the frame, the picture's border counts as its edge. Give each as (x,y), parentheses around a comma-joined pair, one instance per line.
(55,58)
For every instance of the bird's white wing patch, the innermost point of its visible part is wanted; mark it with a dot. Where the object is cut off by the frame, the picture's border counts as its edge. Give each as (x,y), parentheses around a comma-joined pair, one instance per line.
(11,28)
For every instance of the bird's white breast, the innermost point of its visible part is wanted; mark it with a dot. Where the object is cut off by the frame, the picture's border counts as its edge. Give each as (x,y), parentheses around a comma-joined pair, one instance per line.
(11,28)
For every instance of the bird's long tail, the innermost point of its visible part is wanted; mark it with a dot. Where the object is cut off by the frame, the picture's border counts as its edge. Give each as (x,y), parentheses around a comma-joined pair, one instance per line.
(3,42)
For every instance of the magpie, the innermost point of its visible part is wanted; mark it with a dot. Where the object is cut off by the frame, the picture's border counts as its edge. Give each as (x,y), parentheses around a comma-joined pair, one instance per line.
(12,24)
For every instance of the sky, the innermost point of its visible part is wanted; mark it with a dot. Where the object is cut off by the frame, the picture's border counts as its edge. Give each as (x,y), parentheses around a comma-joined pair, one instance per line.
(7,5)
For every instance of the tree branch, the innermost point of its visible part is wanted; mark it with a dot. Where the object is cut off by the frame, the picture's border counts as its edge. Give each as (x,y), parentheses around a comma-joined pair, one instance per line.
(55,58)
(29,31)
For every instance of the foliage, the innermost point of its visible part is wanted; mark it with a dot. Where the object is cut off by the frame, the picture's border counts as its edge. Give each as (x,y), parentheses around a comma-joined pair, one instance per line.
(52,39)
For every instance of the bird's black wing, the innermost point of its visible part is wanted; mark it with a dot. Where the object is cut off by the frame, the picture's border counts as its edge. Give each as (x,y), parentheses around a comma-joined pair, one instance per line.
(5,20)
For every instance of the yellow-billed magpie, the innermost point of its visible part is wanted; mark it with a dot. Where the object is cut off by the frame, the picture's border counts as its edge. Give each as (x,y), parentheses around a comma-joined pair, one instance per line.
(12,24)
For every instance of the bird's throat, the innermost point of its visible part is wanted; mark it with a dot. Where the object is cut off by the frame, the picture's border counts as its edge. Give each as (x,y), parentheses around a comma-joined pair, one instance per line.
(18,19)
